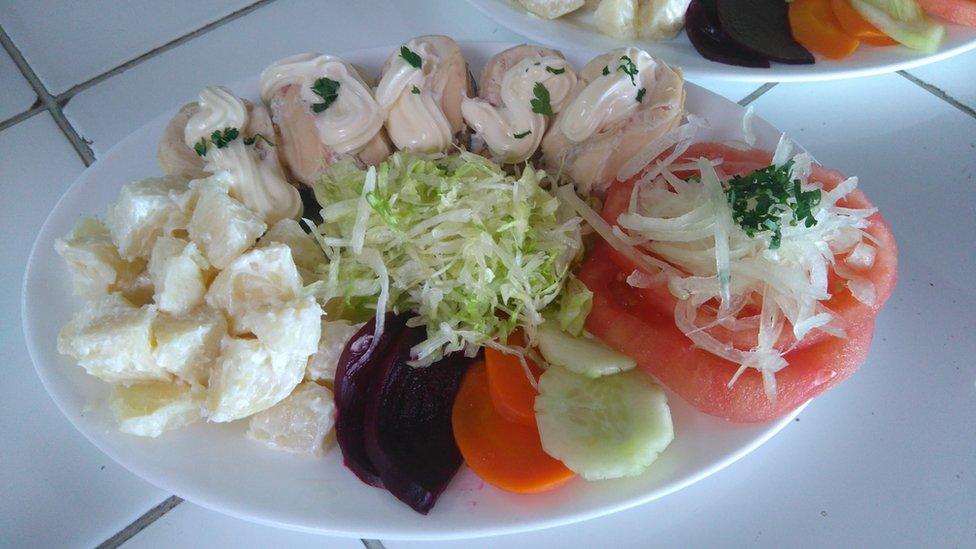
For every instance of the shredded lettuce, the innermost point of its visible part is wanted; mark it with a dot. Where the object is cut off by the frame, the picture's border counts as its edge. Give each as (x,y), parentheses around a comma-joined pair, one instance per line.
(573,307)
(474,251)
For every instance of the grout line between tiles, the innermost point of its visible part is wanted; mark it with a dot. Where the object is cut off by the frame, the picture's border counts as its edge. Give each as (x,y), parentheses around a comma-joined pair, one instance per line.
(373,544)
(18,118)
(745,101)
(72,91)
(140,523)
(938,92)
(48,101)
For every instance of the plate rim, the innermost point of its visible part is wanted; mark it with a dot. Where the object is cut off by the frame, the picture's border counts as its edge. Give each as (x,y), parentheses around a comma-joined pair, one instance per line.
(208,502)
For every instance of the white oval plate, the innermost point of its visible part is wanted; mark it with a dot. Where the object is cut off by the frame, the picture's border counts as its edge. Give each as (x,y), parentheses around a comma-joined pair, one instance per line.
(214,465)
(578,31)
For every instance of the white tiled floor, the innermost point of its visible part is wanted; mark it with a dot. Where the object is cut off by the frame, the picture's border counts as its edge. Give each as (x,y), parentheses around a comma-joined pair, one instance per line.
(59,490)
(17,95)
(69,42)
(886,459)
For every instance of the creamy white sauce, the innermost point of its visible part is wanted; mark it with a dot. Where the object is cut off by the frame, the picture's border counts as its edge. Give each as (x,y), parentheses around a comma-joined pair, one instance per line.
(499,125)
(257,182)
(351,121)
(609,98)
(415,121)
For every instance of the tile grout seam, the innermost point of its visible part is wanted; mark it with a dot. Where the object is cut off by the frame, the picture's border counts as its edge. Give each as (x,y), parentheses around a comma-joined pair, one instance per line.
(373,544)
(759,92)
(938,92)
(48,102)
(140,523)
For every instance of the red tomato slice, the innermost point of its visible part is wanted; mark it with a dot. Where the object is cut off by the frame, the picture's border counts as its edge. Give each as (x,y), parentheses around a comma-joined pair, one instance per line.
(960,12)
(738,162)
(621,320)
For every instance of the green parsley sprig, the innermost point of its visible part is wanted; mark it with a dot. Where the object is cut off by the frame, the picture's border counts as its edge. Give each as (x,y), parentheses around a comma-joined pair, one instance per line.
(521,135)
(541,105)
(554,70)
(764,199)
(328,90)
(629,68)
(411,57)
(219,139)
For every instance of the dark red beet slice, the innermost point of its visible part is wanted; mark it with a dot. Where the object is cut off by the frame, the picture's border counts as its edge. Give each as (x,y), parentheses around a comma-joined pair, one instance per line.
(354,377)
(706,34)
(409,438)
(762,27)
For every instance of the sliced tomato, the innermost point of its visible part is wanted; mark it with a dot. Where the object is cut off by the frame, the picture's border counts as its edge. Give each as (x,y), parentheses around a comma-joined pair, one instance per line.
(620,319)
(850,311)
(960,12)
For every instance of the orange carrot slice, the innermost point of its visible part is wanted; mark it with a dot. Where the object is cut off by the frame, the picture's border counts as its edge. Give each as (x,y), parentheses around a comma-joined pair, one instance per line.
(503,453)
(859,27)
(511,392)
(815,26)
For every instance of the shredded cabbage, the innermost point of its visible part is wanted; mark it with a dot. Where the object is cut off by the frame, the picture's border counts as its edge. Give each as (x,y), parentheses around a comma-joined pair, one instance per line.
(475,252)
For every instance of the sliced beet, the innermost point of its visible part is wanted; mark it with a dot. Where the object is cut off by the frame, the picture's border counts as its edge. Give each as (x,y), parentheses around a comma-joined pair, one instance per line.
(712,42)
(762,27)
(409,437)
(354,377)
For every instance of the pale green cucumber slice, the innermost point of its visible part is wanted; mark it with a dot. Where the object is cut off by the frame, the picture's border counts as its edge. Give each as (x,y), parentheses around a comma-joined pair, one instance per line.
(583,356)
(904,21)
(606,427)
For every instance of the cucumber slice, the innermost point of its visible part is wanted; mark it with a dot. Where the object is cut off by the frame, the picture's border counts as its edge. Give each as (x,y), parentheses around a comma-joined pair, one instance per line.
(904,21)
(606,427)
(583,356)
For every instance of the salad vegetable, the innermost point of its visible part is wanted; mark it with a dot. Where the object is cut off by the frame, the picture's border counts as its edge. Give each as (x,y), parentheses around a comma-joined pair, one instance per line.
(474,251)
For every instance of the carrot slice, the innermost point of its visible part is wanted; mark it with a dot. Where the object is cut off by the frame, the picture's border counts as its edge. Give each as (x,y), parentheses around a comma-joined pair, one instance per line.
(857,26)
(511,392)
(503,453)
(815,26)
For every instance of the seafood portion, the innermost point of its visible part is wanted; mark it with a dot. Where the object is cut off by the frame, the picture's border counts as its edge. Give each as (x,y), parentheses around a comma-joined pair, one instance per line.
(510,114)
(323,110)
(420,91)
(627,99)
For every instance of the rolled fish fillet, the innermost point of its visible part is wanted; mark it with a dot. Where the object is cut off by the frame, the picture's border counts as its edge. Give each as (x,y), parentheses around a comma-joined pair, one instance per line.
(420,90)
(507,118)
(323,110)
(627,99)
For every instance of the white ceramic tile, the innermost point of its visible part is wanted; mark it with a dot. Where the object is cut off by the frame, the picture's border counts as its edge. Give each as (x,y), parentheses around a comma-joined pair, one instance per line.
(189,525)
(111,110)
(17,95)
(58,489)
(888,458)
(67,43)
(955,76)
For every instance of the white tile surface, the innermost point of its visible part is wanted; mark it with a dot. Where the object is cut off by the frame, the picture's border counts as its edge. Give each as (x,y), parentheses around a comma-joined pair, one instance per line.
(190,525)
(17,95)
(69,42)
(955,76)
(58,489)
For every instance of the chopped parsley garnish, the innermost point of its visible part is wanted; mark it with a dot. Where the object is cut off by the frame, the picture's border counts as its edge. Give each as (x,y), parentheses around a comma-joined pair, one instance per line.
(541,105)
(521,135)
(606,70)
(640,94)
(410,57)
(328,90)
(415,90)
(256,137)
(764,199)
(219,138)
(630,69)
(554,70)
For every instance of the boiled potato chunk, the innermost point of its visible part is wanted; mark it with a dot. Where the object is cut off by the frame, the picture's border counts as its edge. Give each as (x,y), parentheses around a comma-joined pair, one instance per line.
(248,377)
(145,211)
(551,9)
(112,340)
(298,423)
(260,277)
(179,275)
(617,18)
(660,19)
(290,327)
(222,227)
(304,249)
(322,365)
(187,346)
(150,408)
(94,261)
